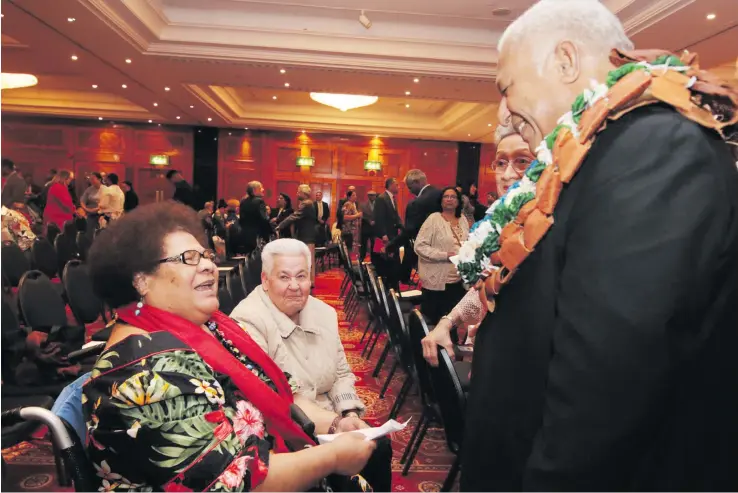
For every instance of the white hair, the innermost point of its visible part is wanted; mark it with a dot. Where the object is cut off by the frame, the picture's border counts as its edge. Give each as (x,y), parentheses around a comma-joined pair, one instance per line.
(415,176)
(586,23)
(504,131)
(304,189)
(283,246)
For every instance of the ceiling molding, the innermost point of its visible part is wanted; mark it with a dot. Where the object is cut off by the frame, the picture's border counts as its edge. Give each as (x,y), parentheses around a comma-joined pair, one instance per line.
(105,11)
(655,13)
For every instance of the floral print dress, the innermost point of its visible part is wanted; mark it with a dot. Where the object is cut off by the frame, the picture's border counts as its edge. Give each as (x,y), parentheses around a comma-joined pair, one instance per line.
(159,418)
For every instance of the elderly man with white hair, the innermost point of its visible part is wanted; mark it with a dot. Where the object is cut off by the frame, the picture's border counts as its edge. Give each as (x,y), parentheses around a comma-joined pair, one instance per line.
(609,361)
(300,333)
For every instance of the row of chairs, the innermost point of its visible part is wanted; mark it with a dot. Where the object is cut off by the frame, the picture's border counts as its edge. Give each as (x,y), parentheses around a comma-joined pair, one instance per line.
(395,319)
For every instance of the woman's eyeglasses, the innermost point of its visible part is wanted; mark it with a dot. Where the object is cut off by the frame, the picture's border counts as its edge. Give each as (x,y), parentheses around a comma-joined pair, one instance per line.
(519,165)
(190,257)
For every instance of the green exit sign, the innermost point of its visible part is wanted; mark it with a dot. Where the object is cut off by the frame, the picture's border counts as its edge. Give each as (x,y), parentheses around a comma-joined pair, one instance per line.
(373,165)
(159,160)
(306,161)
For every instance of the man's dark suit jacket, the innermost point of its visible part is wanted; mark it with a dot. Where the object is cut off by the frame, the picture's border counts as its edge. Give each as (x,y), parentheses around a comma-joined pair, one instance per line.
(386,218)
(610,362)
(183,193)
(254,222)
(305,220)
(326,210)
(416,212)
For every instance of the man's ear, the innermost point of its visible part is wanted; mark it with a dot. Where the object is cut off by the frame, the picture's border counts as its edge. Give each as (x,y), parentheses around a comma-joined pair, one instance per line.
(567,60)
(141,284)
(264,279)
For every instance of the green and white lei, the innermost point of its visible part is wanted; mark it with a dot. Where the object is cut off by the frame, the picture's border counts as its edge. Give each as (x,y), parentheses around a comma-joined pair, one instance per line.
(473,258)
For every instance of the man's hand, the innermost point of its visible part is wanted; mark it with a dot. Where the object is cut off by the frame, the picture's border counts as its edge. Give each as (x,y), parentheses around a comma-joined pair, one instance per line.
(439,336)
(350,423)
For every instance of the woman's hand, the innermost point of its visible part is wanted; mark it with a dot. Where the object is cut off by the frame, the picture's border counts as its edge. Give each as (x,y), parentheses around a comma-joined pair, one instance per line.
(439,336)
(352,451)
(350,423)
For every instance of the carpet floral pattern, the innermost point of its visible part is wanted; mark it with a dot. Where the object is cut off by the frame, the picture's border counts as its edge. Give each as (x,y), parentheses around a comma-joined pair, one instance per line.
(30,465)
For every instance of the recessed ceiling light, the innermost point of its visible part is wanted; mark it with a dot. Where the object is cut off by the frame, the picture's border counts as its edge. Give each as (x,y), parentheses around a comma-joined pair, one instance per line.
(74,57)
(229,133)
(177,118)
(210,119)
(128,60)
(416,80)
(99,118)
(274,97)
(151,121)
(245,128)
(711,17)
(407,105)
(166,88)
(124,86)
(160,124)
(71,19)
(468,135)
(303,131)
(407,93)
(94,86)
(489,124)
(282,71)
(192,106)
(286,84)
(156,104)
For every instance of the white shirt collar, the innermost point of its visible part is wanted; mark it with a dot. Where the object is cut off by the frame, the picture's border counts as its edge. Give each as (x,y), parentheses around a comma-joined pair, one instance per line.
(390,194)
(422,189)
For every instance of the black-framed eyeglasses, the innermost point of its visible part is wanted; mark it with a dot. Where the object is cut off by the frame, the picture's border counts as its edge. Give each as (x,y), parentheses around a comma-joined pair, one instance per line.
(519,165)
(190,257)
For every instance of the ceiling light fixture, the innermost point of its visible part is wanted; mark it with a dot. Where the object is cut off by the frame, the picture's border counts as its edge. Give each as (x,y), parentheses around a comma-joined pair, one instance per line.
(192,106)
(16,81)
(94,86)
(711,17)
(274,97)
(245,128)
(99,118)
(489,124)
(210,119)
(282,71)
(177,118)
(74,58)
(407,93)
(407,105)
(343,102)
(151,121)
(286,84)
(166,89)
(71,19)
(124,86)
(416,80)
(128,60)
(156,104)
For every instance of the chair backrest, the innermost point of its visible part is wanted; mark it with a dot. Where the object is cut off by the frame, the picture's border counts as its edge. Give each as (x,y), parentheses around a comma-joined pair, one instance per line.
(417,330)
(81,224)
(69,228)
(384,305)
(13,342)
(225,301)
(44,257)
(243,274)
(52,231)
(450,398)
(40,304)
(14,263)
(398,330)
(66,249)
(84,242)
(233,284)
(86,306)
(253,275)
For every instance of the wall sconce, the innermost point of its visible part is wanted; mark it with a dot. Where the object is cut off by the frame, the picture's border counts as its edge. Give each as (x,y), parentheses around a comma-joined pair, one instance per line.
(374,157)
(304,159)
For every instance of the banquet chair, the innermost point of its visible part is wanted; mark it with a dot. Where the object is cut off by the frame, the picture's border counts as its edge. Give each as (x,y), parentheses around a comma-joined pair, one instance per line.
(44,257)
(66,250)
(225,301)
(235,289)
(52,231)
(14,263)
(83,301)
(84,242)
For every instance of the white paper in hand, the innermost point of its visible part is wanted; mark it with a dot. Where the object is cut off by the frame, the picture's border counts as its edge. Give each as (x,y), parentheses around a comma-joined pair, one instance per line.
(390,426)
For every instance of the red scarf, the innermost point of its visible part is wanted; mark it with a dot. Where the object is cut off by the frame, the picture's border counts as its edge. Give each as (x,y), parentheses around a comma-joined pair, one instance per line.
(274,406)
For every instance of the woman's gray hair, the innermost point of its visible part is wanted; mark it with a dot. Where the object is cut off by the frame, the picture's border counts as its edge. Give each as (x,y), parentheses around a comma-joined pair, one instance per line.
(283,246)
(304,189)
(504,131)
(252,186)
(586,23)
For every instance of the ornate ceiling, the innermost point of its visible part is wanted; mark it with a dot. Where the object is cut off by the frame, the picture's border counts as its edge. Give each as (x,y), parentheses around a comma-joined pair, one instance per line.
(225,61)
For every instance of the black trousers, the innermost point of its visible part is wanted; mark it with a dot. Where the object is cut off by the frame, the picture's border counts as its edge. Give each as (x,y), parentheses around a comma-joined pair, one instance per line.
(367,240)
(388,268)
(435,304)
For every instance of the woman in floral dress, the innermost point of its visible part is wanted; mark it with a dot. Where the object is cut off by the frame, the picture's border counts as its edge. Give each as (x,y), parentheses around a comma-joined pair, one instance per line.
(182,399)
(351,223)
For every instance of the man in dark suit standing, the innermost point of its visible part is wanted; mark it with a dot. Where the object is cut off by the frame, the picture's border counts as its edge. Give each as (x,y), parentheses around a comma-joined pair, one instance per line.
(14,187)
(609,362)
(323,212)
(182,190)
(427,201)
(387,224)
(305,220)
(253,218)
(367,223)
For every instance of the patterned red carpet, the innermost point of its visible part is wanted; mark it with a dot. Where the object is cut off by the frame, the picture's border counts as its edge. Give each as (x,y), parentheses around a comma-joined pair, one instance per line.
(31,465)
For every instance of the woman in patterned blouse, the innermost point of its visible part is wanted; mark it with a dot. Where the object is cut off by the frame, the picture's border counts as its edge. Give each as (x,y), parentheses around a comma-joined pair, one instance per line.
(182,399)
